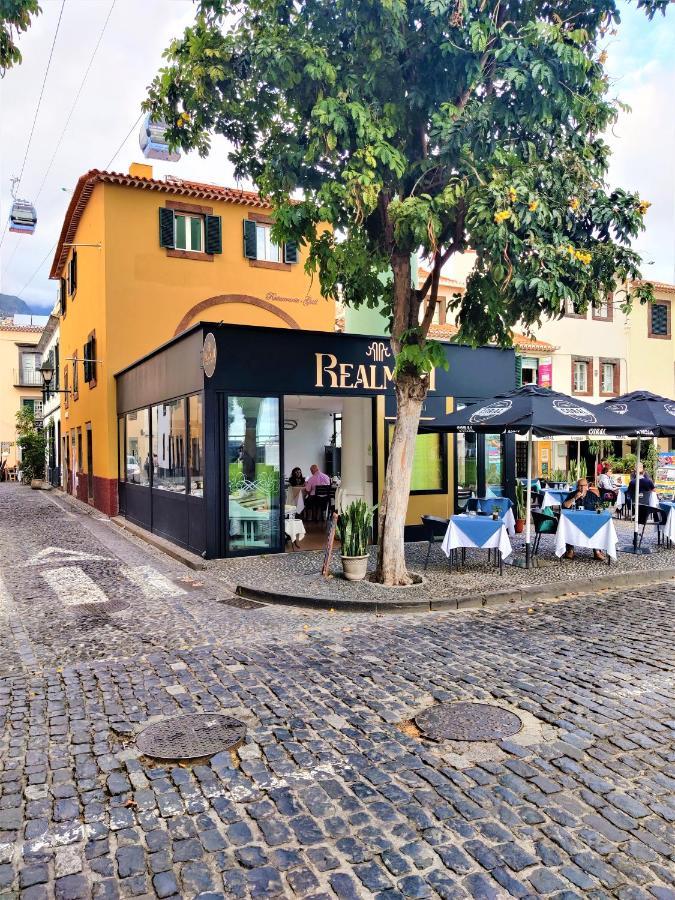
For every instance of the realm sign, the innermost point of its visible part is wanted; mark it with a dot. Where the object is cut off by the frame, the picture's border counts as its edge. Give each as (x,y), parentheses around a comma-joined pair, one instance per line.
(367,376)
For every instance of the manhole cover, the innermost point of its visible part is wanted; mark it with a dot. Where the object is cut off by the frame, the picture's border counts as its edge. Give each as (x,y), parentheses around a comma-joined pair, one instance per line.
(191,736)
(467,722)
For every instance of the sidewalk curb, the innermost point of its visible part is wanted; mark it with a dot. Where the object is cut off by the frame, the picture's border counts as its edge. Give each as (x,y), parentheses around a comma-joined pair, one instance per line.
(531,593)
(191,560)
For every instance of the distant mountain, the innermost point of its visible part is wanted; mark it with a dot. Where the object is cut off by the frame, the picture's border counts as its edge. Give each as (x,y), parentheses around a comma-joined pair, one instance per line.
(9,304)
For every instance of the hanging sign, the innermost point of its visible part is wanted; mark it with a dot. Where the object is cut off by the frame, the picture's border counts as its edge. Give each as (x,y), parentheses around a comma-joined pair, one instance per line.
(209,355)
(545,372)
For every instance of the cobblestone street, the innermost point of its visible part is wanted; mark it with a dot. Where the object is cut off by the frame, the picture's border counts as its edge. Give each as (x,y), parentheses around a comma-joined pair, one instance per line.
(334,792)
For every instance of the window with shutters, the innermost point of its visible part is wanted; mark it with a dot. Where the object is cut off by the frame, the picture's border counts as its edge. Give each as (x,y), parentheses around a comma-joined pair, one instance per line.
(604,311)
(62,295)
(76,377)
(572,310)
(72,274)
(89,360)
(659,320)
(260,249)
(189,231)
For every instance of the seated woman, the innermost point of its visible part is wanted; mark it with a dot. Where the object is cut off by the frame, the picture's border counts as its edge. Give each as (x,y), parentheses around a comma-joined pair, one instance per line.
(296,485)
(606,484)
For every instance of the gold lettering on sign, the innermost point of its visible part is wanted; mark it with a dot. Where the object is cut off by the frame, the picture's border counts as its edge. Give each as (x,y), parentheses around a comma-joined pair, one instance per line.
(345,375)
(362,377)
(379,351)
(320,369)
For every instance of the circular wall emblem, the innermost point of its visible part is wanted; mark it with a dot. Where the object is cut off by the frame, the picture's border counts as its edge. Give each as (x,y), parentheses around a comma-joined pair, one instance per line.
(209,355)
(485,413)
(570,409)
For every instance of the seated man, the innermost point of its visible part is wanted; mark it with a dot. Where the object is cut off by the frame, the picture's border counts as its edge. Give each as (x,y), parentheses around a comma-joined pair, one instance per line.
(316,478)
(585,497)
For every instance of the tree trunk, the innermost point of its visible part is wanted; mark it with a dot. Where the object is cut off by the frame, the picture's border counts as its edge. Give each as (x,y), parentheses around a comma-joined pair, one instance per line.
(411,391)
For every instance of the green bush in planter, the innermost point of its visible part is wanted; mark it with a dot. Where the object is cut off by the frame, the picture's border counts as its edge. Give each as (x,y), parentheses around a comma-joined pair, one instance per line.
(354,527)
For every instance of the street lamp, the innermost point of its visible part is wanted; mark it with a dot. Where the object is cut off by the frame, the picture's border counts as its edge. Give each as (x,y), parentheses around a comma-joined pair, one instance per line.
(47,372)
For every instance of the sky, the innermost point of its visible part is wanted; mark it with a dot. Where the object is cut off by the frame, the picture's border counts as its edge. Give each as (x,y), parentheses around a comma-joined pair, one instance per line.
(641,64)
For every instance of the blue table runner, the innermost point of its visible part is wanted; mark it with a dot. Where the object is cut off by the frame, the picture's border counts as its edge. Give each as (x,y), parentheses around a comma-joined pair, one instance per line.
(587,521)
(487,504)
(478,529)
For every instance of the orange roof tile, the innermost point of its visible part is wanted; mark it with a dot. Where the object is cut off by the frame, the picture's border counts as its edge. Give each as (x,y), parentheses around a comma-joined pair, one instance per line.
(521,341)
(178,187)
(658,285)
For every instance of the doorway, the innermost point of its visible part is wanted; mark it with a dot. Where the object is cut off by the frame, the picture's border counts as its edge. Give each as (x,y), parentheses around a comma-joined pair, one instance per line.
(90,465)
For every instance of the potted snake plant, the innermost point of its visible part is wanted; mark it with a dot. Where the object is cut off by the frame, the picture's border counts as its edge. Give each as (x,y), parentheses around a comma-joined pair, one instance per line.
(521,507)
(354,527)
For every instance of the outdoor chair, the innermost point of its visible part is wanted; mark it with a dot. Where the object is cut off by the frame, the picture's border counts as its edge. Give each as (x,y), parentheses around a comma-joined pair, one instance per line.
(649,515)
(543,524)
(434,532)
(461,499)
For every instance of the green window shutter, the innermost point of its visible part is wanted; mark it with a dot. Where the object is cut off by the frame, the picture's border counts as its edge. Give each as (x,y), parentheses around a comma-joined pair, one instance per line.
(62,287)
(519,370)
(85,362)
(213,231)
(250,239)
(92,359)
(166,227)
(290,252)
(73,272)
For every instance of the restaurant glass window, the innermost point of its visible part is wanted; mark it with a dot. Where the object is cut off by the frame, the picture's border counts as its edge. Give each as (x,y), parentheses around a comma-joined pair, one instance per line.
(168,446)
(266,249)
(529,370)
(467,462)
(189,232)
(121,456)
(494,461)
(195,445)
(137,454)
(659,320)
(253,468)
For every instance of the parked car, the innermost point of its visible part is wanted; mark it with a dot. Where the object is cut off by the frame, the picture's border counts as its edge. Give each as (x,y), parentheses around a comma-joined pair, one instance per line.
(133,470)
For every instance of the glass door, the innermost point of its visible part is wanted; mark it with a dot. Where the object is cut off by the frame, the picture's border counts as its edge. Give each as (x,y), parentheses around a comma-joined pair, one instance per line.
(494,464)
(253,475)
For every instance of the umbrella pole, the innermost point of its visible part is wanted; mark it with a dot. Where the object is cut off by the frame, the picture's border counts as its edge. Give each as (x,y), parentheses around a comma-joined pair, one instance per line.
(528,503)
(578,457)
(636,499)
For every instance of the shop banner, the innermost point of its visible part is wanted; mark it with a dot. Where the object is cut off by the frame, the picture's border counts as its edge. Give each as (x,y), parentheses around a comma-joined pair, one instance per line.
(545,372)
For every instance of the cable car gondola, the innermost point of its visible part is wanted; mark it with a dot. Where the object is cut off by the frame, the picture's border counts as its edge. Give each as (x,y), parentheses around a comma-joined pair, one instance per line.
(153,143)
(22,217)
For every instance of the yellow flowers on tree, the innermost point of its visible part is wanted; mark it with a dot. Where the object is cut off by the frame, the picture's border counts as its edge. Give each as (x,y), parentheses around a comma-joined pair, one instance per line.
(418,125)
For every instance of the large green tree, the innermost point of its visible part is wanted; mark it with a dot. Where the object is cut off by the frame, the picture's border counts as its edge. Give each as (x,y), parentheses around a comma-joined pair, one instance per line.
(15,17)
(432,124)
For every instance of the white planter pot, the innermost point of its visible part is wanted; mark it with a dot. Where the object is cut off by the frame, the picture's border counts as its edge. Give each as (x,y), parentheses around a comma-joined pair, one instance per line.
(355,567)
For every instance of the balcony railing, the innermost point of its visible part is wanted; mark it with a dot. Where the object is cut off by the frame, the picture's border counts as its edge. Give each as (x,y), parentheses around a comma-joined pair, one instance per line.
(27,378)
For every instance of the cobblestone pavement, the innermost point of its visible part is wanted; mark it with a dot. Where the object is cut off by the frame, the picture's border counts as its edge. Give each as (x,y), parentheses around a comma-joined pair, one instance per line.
(334,792)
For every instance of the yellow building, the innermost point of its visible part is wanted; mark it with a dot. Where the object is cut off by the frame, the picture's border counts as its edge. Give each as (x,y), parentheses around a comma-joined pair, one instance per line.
(651,348)
(140,260)
(20,379)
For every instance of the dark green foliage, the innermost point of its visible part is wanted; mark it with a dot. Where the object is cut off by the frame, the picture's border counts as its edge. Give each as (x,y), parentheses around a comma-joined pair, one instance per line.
(15,16)
(355,528)
(33,445)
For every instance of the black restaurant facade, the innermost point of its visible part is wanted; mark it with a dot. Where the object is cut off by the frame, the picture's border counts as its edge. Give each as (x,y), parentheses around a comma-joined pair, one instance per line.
(210,425)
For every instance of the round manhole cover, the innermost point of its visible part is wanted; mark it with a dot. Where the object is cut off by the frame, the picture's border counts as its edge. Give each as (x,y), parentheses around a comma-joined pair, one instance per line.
(191,736)
(467,722)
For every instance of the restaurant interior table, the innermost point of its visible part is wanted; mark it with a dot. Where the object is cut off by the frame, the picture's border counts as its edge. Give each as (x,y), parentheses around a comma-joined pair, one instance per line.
(586,528)
(487,505)
(294,528)
(481,532)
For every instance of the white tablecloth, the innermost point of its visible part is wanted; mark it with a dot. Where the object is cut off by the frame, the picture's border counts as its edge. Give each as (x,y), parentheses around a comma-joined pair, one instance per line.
(604,538)
(509,520)
(554,497)
(669,527)
(455,537)
(295,529)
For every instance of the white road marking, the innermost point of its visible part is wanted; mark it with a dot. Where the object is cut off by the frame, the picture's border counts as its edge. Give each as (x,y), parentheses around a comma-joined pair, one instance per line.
(151,582)
(73,587)
(61,555)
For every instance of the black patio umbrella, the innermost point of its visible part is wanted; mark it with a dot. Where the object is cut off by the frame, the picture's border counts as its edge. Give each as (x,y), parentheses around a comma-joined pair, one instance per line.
(534,410)
(658,414)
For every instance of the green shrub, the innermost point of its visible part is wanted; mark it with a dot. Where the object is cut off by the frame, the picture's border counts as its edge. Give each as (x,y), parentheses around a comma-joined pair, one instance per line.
(354,527)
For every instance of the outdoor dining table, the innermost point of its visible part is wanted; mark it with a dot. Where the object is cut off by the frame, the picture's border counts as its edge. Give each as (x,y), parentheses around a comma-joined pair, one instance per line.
(586,528)
(651,497)
(554,497)
(487,505)
(667,507)
(482,532)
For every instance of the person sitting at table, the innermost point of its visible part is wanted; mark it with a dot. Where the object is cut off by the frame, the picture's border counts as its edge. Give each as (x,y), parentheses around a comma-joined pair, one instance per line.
(584,496)
(606,485)
(646,484)
(296,478)
(296,485)
(316,479)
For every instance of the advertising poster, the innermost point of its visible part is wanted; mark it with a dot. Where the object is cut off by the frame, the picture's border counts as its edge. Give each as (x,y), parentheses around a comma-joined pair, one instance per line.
(665,472)
(545,372)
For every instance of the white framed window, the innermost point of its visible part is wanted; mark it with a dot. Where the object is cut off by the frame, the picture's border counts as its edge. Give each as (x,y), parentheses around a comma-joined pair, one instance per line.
(189,232)
(607,378)
(266,249)
(580,376)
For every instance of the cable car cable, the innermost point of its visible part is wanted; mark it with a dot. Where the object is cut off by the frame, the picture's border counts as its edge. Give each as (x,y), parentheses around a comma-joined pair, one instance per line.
(37,110)
(77,97)
(40,265)
(126,138)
